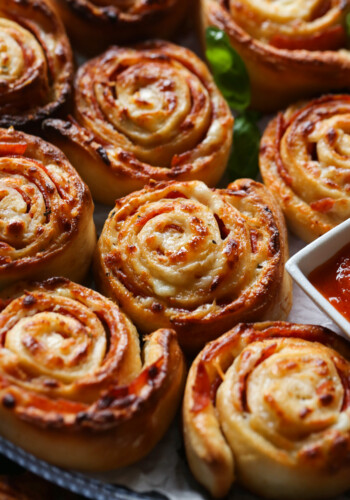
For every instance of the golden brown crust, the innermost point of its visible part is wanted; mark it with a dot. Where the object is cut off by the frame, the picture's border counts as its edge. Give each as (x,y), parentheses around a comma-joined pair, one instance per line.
(36,68)
(46,223)
(269,403)
(309,56)
(199,260)
(94,25)
(305,160)
(73,387)
(151,112)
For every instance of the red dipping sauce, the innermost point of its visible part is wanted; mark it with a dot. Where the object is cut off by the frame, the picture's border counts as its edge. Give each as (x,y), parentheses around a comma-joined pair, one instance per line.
(332,279)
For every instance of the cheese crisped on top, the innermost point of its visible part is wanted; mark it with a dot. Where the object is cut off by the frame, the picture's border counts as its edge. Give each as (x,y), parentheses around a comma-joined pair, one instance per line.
(74,378)
(46,223)
(148,112)
(36,66)
(198,259)
(268,404)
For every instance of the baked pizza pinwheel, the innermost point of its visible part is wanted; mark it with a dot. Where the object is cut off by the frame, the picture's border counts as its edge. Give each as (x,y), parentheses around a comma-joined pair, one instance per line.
(196,259)
(305,162)
(36,67)
(268,404)
(152,112)
(93,25)
(291,49)
(46,223)
(75,389)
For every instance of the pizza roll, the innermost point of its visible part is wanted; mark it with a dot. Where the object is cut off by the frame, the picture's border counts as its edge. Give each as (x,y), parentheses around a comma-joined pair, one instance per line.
(291,49)
(268,404)
(151,112)
(46,223)
(75,389)
(93,25)
(305,162)
(196,259)
(36,68)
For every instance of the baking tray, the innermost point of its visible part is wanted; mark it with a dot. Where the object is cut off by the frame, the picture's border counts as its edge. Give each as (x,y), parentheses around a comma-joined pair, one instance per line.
(72,481)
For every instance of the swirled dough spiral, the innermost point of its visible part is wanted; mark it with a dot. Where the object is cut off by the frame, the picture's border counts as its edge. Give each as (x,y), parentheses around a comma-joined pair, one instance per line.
(296,24)
(73,387)
(46,224)
(151,112)
(35,62)
(268,403)
(291,49)
(305,162)
(197,259)
(94,25)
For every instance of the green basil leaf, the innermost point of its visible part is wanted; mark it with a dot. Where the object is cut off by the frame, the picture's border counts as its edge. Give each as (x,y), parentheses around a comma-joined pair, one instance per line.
(244,159)
(228,68)
(347,25)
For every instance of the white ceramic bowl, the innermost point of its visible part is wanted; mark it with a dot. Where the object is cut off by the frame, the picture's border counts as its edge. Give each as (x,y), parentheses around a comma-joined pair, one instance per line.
(313,255)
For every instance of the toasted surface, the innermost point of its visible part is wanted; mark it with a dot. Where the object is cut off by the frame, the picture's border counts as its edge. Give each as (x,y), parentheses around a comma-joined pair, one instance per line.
(196,259)
(268,404)
(305,160)
(142,113)
(75,389)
